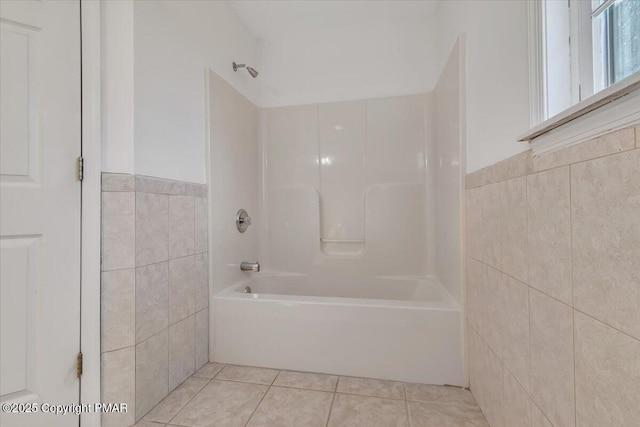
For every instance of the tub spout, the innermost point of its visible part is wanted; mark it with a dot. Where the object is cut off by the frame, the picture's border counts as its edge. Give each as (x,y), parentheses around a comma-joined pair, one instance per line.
(250,266)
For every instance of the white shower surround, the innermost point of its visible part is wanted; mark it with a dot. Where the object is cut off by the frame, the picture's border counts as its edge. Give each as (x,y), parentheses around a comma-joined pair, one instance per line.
(382,175)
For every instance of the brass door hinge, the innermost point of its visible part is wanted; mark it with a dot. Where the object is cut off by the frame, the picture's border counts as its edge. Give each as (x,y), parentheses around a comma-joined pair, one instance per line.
(80,168)
(79,365)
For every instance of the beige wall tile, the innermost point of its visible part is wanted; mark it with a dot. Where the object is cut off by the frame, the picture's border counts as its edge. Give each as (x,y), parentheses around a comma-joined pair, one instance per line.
(476,367)
(152,369)
(517,405)
(552,358)
(610,143)
(181,226)
(150,184)
(515,166)
(195,189)
(201,225)
(490,228)
(493,389)
(182,347)
(182,288)
(118,182)
(476,272)
(118,385)
(474,223)
(607,375)
(118,309)
(152,300)
(537,417)
(202,281)
(637,136)
(202,338)
(549,217)
(605,206)
(513,235)
(515,345)
(118,231)
(493,310)
(152,228)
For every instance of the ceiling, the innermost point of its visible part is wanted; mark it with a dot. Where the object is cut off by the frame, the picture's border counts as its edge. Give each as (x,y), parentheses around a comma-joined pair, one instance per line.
(265,19)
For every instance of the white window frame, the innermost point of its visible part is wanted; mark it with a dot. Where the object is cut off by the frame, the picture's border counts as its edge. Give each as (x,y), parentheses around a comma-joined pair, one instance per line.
(616,107)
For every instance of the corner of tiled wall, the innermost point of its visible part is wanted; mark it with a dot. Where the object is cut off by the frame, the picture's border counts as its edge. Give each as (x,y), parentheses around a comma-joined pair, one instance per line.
(553,285)
(154,290)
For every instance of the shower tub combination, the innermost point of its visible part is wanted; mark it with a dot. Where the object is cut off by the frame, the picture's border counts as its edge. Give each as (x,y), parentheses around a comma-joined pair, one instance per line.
(399,328)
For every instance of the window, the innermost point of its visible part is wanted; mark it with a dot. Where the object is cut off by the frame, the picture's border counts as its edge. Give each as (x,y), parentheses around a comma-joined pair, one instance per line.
(616,40)
(587,46)
(585,57)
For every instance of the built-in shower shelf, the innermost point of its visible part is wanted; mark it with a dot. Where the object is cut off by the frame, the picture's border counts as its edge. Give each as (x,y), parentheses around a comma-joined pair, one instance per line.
(342,247)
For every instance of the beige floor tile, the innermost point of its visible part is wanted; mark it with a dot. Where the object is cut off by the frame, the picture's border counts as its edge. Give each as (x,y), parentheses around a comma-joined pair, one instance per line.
(221,404)
(209,370)
(171,405)
(145,423)
(440,394)
(359,411)
(424,414)
(306,380)
(371,387)
(247,374)
(289,407)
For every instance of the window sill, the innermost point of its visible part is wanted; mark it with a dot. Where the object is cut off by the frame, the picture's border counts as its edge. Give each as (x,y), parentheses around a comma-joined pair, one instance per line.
(613,108)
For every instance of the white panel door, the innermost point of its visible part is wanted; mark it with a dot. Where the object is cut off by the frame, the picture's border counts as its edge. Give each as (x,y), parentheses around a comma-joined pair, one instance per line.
(39,207)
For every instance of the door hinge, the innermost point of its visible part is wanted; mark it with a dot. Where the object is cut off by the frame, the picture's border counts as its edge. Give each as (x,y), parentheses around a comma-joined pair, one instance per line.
(79,365)
(80,168)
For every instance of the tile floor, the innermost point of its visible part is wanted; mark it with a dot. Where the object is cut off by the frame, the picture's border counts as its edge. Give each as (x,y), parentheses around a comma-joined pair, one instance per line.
(219,395)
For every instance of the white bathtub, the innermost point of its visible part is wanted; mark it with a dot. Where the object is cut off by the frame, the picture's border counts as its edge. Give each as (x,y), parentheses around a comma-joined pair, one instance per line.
(404,329)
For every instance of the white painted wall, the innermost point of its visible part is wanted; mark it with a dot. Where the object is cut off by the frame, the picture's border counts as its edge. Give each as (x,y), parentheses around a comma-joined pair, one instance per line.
(116,50)
(347,62)
(497,74)
(175,41)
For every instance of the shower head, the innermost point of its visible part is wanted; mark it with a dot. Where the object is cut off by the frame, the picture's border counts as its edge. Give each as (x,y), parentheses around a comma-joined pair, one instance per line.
(251,71)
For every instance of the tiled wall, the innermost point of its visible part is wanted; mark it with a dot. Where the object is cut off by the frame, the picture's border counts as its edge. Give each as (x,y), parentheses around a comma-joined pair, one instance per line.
(553,286)
(154,289)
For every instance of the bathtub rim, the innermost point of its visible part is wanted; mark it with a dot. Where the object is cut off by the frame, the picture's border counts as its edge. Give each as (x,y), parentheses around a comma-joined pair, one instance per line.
(231,292)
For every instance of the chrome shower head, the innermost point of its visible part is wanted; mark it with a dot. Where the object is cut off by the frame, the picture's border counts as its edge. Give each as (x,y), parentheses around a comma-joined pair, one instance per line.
(251,71)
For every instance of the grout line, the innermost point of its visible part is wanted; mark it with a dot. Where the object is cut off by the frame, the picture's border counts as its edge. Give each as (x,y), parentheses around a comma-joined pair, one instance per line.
(406,408)
(333,398)
(573,313)
(257,406)
(187,402)
(534,172)
(561,302)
